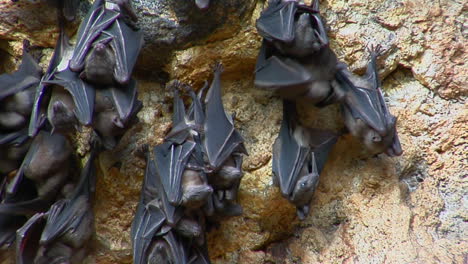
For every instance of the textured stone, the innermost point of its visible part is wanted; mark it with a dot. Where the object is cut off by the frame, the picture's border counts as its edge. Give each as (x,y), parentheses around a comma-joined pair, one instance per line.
(409,209)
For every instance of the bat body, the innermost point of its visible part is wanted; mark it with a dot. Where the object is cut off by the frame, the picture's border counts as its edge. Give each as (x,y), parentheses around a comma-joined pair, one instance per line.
(107,47)
(42,174)
(299,155)
(295,60)
(365,112)
(60,234)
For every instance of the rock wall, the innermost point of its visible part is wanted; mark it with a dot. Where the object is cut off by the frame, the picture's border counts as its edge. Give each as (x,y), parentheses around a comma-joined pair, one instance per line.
(410,209)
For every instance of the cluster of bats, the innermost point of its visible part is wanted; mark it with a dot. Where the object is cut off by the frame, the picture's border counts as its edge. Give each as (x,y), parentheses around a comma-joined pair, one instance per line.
(191,180)
(297,63)
(45,204)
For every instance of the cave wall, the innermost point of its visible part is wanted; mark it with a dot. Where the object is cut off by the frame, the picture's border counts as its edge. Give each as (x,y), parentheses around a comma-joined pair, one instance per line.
(409,209)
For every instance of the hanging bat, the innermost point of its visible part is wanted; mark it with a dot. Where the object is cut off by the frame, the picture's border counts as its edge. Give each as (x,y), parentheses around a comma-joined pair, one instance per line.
(107,47)
(149,217)
(222,144)
(46,165)
(179,161)
(60,234)
(71,99)
(155,218)
(295,59)
(299,155)
(16,93)
(365,113)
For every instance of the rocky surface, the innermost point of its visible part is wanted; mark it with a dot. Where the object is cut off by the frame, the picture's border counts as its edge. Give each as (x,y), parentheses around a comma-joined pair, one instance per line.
(410,209)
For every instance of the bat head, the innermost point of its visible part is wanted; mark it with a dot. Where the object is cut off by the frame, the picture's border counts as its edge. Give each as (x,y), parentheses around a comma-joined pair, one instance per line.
(61,117)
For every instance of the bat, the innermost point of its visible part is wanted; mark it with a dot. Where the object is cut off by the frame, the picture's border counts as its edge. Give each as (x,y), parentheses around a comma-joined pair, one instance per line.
(63,230)
(199,255)
(365,112)
(179,161)
(299,155)
(223,146)
(295,60)
(16,93)
(71,99)
(107,47)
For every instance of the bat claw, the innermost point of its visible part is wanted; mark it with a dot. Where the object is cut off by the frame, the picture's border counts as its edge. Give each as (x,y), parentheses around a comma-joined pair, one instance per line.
(218,67)
(375,50)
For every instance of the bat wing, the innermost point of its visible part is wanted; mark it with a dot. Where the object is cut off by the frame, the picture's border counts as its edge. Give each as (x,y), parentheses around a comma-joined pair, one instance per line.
(67,214)
(14,138)
(283,74)
(373,76)
(171,212)
(27,239)
(288,156)
(28,74)
(200,256)
(181,129)
(125,100)
(126,44)
(25,207)
(322,142)
(178,250)
(95,22)
(170,162)
(221,138)
(145,225)
(83,94)
(277,21)
(363,103)
(9,226)
(195,111)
